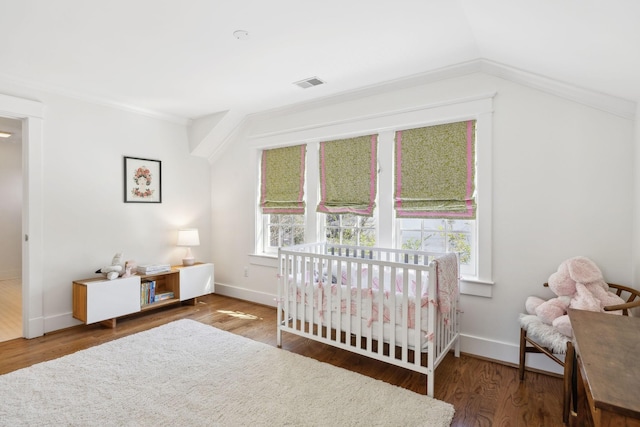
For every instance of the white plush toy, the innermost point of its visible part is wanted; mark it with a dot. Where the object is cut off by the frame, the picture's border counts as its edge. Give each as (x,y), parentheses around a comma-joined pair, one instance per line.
(115,269)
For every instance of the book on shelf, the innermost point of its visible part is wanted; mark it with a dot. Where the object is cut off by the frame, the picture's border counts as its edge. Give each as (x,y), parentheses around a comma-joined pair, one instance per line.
(153,268)
(147,292)
(163,296)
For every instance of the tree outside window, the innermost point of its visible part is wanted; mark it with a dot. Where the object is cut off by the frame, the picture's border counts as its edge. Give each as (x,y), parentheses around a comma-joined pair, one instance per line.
(349,229)
(438,235)
(284,230)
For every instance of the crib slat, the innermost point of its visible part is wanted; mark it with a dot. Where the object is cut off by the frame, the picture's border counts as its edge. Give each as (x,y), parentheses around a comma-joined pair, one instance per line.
(405,315)
(417,321)
(381,312)
(370,290)
(392,308)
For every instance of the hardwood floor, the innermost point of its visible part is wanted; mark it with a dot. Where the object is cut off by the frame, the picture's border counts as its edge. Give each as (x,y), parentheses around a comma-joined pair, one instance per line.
(11,313)
(483,393)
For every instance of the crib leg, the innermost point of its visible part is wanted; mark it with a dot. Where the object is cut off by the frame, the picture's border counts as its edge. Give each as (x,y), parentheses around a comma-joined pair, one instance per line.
(456,348)
(430,384)
(278,330)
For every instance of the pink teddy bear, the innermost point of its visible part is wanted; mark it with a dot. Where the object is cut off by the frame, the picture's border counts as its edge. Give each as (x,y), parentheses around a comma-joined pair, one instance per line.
(578,283)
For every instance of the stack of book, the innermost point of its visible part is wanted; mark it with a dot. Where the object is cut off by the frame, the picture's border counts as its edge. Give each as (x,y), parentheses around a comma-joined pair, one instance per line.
(147,292)
(153,268)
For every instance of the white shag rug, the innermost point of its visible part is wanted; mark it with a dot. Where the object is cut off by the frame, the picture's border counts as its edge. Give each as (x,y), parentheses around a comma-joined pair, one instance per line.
(186,373)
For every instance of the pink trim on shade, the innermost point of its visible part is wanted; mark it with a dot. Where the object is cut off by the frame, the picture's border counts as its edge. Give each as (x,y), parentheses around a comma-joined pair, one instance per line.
(302,165)
(469,163)
(372,175)
(323,179)
(264,178)
(468,214)
(399,170)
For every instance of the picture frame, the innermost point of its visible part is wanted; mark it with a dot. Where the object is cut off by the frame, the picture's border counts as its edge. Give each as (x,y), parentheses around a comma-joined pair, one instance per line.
(142,180)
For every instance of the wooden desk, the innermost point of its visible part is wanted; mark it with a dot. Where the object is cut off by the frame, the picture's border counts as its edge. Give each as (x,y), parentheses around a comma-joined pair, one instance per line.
(608,365)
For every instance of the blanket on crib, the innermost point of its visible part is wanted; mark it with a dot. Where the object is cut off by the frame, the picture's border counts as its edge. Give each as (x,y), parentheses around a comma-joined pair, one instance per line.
(447,282)
(339,290)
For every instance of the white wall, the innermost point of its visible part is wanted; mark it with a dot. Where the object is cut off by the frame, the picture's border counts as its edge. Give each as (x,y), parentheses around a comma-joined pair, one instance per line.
(10,210)
(562,186)
(85,219)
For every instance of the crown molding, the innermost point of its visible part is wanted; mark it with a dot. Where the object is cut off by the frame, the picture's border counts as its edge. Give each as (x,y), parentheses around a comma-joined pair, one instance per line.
(621,107)
(93,99)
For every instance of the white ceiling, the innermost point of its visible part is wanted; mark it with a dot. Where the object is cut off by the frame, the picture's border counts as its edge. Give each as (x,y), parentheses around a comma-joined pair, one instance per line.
(179,57)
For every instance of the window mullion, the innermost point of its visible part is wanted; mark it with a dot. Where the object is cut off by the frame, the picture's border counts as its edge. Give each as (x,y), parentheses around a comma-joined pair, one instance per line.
(385,214)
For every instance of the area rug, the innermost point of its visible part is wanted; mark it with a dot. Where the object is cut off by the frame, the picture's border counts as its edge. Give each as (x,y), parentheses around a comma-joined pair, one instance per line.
(186,373)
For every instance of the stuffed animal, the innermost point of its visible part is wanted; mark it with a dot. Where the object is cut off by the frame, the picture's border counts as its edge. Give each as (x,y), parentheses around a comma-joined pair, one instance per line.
(115,269)
(130,268)
(578,283)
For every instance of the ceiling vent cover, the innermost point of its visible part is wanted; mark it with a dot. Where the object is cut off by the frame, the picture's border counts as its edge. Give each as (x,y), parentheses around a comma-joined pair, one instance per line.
(310,82)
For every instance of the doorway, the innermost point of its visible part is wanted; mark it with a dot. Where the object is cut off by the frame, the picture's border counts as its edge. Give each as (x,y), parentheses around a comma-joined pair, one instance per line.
(11,191)
(30,114)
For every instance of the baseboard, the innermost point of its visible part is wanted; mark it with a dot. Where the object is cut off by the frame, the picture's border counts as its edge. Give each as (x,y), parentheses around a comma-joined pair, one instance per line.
(35,328)
(60,321)
(506,353)
(245,294)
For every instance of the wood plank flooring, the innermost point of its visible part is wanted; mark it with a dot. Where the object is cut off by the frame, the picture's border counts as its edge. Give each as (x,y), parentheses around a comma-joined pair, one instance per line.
(484,393)
(10,309)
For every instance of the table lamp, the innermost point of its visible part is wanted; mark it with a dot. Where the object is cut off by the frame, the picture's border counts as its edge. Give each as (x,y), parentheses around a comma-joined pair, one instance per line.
(188,237)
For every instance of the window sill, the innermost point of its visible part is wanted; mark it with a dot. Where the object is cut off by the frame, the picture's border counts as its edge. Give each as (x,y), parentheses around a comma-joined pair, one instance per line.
(476,287)
(264,260)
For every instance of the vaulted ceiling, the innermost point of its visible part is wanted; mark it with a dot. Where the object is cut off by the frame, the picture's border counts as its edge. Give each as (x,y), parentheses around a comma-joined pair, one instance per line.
(180,59)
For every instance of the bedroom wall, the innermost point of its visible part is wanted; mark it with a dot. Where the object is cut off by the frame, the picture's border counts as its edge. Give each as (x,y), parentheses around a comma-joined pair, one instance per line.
(10,210)
(562,186)
(85,221)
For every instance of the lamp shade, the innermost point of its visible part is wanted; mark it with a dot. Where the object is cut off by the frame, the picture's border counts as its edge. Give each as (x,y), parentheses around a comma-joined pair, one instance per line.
(188,237)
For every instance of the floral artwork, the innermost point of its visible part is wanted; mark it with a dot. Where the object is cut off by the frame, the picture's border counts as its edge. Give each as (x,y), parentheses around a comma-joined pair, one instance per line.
(142,180)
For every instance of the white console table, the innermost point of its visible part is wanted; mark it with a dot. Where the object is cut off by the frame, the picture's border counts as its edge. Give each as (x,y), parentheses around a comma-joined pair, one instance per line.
(101,300)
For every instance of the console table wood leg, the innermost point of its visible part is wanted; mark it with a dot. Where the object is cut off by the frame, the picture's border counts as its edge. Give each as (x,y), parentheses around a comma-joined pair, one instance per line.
(109,323)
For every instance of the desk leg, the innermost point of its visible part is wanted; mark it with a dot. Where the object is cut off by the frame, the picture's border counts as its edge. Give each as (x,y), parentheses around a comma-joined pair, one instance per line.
(582,415)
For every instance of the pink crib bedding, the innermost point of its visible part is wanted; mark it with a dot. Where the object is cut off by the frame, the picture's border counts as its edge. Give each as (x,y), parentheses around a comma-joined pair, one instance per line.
(345,292)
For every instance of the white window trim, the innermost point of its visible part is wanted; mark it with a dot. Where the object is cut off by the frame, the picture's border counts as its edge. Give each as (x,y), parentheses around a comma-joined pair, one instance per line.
(479,108)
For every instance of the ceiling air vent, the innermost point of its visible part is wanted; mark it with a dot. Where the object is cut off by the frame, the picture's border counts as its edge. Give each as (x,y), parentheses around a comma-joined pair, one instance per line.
(310,82)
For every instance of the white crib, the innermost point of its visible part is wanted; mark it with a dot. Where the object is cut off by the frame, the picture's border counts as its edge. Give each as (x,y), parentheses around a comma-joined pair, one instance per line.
(355,297)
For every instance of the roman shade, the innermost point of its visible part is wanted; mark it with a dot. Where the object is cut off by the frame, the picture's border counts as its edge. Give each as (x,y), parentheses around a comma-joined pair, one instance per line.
(348,175)
(282,180)
(435,171)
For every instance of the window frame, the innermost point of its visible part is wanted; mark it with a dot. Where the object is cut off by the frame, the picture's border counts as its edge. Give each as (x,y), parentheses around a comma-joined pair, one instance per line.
(479,108)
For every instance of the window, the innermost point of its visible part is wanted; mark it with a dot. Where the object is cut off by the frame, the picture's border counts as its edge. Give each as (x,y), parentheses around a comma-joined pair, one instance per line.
(441,235)
(282,230)
(349,229)
(466,230)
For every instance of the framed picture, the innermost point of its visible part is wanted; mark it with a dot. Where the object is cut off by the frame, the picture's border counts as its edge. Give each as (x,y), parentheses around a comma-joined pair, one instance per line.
(142,180)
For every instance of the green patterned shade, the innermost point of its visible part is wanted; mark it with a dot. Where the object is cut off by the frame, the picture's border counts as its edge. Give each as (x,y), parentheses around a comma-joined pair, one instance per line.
(282,180)
(435,172)
(348,174)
